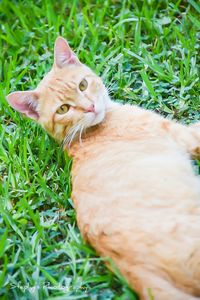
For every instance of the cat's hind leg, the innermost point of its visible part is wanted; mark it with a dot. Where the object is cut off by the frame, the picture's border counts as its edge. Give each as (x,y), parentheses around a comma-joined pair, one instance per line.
(188,137)
(155,287)
(195,131)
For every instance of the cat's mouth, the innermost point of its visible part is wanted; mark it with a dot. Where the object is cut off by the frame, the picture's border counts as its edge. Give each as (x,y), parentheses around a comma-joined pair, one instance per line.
(95,117)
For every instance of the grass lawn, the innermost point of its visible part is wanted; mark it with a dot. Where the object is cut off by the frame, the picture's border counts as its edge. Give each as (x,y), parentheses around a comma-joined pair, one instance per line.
(148,54)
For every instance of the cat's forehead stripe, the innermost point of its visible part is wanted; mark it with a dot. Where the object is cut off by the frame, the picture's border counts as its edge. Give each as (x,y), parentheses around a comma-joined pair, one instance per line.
(58,84)
(70,85)
(51,88)
(59,80)
(63,89)
(57,93)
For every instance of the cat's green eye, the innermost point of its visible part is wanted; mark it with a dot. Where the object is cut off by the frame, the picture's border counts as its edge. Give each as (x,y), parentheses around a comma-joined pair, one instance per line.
(83,85)
(62,109)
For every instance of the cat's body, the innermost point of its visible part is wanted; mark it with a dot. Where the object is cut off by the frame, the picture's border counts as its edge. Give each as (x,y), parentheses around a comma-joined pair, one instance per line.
(137,201)
(134,188)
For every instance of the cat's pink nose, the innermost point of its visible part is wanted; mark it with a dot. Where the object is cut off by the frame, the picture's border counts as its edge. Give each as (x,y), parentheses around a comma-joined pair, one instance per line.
(91,108)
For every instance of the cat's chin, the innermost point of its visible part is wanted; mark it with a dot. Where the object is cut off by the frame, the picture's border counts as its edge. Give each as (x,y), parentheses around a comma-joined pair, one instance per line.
(94,119)
(98,118)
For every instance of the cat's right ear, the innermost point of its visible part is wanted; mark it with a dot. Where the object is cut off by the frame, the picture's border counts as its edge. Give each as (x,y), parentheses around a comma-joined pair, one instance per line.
(63,54)
(25,103)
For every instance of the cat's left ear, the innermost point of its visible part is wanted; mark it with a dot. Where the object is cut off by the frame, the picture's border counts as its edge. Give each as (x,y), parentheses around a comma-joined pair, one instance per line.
(25,102)
(63,54)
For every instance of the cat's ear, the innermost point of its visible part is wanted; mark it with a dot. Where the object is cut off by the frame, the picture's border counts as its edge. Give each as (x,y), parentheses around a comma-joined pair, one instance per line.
(63,54)
(25,103)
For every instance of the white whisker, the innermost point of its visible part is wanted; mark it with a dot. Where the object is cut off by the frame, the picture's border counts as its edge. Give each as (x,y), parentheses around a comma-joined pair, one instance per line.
(73,135)
(110,85)
(73,132)
(80,135)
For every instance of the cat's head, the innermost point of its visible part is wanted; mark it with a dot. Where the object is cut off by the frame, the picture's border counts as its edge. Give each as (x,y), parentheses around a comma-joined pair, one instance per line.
(69,98)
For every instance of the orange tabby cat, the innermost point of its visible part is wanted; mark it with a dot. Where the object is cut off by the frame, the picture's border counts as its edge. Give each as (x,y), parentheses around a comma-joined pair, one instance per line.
(134,189)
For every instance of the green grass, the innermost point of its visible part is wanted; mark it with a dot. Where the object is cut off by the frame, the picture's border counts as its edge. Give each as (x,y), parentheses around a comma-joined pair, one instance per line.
(148,54)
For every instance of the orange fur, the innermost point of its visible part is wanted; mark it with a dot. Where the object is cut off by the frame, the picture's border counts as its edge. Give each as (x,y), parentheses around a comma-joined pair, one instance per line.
(134,189)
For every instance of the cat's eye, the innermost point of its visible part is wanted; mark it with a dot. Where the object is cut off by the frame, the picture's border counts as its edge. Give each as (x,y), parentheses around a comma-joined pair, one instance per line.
(83,85)
(62,109)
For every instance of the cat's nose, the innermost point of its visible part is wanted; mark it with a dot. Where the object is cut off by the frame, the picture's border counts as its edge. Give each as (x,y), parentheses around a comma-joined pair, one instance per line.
(91,108)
